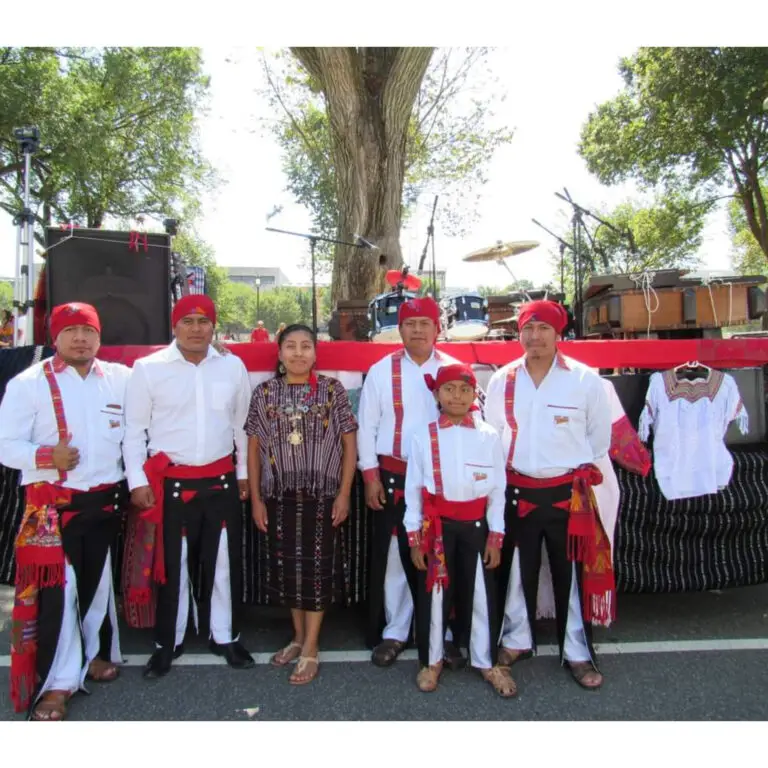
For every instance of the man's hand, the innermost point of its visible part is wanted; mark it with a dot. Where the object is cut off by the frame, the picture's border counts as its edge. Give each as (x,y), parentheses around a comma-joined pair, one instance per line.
(142,497)
(492,557)
(259,514)
(419,558)
(374,494)
(340,511)
(243,489)
(64,456)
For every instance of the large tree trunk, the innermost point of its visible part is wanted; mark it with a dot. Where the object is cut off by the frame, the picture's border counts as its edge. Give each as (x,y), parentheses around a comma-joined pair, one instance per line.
(370,93)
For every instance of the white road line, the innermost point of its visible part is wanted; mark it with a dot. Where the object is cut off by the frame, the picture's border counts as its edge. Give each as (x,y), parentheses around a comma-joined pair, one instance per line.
(605,649)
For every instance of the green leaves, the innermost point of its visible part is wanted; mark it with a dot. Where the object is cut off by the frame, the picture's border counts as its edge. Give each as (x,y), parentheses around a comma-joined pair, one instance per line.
(117,125)
(689,120)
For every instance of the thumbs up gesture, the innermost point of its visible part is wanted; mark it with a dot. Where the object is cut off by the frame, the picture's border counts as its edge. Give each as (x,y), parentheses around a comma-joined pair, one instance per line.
(65,457)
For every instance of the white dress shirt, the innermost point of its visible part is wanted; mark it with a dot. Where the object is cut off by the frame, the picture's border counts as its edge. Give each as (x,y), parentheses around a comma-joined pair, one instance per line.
(563,423)
(376,411)
(193,413)
(93,409)
(472,466)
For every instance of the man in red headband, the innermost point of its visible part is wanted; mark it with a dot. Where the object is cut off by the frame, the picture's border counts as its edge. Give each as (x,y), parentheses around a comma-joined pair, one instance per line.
(554,419)
(394,401)
(454,518)
(186,407)
(61,424)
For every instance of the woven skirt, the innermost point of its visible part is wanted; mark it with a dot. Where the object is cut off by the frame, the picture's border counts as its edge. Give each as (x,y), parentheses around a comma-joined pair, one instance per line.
(305,557)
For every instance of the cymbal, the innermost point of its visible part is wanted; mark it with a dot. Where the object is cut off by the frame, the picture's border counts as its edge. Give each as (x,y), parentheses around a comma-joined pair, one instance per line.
(502,250)
(505,320)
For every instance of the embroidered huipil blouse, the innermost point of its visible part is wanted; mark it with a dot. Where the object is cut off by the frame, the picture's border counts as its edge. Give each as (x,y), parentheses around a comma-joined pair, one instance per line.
(277,411)
(689,421)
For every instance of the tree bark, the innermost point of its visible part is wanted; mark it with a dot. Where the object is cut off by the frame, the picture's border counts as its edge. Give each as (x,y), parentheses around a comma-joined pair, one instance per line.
(369,93)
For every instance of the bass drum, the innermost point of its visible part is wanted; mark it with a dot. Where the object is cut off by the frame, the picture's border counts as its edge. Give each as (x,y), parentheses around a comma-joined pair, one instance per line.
(465,317)
(382,315)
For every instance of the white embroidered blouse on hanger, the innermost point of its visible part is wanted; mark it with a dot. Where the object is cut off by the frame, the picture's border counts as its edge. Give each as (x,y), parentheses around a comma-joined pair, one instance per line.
(689,420)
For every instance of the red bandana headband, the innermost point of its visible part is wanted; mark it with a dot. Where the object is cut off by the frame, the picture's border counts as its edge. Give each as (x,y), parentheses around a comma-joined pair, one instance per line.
(74,313)
(194,305)
(421,307)
(448,373)
(549,312)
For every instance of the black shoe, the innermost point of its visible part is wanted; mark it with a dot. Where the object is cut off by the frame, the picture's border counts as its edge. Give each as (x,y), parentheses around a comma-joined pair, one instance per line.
(178,651)
(159,664)
(234,653)
(452,657)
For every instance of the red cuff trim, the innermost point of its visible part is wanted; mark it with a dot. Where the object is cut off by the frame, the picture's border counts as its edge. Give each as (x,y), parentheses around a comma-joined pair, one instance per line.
(44,457)
(414,538)
(495,540)
(371,475)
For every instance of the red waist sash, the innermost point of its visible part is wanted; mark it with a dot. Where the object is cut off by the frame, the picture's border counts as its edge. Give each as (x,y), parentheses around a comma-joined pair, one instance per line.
(157,469)
(393,465)
(435,508)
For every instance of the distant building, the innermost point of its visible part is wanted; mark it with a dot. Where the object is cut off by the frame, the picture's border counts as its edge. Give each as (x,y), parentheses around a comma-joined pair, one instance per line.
(426,275)
(269,277)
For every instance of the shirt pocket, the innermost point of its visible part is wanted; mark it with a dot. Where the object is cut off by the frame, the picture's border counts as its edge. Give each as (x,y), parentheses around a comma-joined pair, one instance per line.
(565,416)
(479,477)
(221,395)
(112,423)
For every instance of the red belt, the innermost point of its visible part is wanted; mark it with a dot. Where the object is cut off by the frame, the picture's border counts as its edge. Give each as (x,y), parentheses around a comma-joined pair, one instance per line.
(157,469)
(393,465)
(435,508)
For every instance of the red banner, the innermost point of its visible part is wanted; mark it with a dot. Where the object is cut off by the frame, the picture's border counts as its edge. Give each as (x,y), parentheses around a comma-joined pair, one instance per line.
(634,353)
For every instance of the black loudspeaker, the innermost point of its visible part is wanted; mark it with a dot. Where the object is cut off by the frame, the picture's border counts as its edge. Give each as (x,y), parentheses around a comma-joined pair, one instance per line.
(756,303)
(614,311)
(130,288)
(689,305)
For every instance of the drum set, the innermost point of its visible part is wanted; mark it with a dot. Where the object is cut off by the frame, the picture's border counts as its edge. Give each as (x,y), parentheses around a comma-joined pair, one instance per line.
(464,316)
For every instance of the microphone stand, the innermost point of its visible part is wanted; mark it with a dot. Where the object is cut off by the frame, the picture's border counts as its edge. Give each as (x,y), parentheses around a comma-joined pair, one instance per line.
(313,241)
(430,238)
(563,246)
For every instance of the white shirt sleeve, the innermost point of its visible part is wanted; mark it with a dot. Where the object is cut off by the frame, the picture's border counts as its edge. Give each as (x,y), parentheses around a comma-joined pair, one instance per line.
(498,494)
(138,411)
(650,410)
(494,401)
(17,419)
(239,417)
(414,482)
(599,421)
(368,419)
(734,407)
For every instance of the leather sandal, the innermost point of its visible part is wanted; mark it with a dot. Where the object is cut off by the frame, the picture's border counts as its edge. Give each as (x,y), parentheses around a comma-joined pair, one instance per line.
(51,707)
(101,671)
(508,657)
(428,678)
(579,672)
(501,680)
(297,678)
(386,652)
(286,655)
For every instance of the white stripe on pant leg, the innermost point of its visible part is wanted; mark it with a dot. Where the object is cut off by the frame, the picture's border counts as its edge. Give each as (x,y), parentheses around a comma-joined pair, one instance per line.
(66,670)
(398,602)
(516,630)
(115,653)
(221,597)
(436,632)
(182,614)
(575,646)
(97,611)
(480,636)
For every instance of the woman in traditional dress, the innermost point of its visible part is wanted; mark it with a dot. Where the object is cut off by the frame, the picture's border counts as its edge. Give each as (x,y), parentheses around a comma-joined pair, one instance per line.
(301,464)
(6,329)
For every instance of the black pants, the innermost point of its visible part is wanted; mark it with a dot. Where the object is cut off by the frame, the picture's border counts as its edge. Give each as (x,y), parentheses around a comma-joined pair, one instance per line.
(89,528)
(384,522)
(548,524)
(216,504)
(463,543)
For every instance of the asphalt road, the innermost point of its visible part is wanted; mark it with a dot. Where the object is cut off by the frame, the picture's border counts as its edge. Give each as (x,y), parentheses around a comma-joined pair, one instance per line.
(652,660)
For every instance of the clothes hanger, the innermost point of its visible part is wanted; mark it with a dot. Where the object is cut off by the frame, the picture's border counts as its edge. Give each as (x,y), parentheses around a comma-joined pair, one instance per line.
(692,367)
